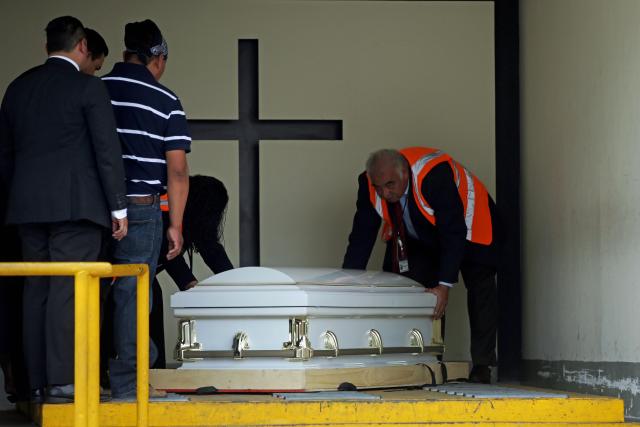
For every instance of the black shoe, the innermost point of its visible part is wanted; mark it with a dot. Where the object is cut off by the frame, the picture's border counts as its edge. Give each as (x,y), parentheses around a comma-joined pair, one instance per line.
(105,395)
(37,395)
(60,394)
(480,374)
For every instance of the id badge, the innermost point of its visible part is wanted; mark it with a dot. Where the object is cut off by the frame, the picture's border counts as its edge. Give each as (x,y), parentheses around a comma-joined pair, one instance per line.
(403,261)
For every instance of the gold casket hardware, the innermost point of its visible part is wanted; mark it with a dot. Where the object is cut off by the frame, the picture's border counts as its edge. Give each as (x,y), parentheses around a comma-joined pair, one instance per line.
(187,341)
(299,346)
(375,340)
(298,339)
(240,344)
(331,342)
(416,340)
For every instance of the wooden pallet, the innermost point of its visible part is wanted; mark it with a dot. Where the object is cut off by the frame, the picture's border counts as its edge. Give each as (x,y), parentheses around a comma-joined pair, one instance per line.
(236,380)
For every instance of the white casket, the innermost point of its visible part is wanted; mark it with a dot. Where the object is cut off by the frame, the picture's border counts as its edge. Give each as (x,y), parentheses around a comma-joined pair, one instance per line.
(257,328)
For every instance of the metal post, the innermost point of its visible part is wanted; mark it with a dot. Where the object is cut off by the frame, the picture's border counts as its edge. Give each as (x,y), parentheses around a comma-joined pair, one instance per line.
(143,346)
(87,329)
(93,324)
(81,363)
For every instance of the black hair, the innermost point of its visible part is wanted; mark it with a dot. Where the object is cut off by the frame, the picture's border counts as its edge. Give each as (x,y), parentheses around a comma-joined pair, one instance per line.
(139,38)
(96,44)
(63,34)
(204,212)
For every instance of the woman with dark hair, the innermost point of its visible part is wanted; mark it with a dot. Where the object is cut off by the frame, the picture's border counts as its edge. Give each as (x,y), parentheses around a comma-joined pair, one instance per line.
(202,232)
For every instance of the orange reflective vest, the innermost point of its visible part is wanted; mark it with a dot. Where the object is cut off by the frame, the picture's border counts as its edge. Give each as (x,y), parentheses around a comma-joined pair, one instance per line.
(474,195)
(164,202)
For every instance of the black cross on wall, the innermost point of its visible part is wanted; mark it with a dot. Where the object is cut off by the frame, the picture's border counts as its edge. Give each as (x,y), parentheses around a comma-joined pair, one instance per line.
(249,130)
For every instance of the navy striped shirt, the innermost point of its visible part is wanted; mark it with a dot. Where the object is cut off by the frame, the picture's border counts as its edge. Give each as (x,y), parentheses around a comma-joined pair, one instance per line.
(150,122)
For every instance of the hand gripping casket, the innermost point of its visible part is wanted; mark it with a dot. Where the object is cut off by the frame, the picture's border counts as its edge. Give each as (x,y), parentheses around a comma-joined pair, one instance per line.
(257,328)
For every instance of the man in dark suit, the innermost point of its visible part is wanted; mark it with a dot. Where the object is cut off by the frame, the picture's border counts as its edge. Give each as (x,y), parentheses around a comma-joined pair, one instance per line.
(438,221)
(61,168)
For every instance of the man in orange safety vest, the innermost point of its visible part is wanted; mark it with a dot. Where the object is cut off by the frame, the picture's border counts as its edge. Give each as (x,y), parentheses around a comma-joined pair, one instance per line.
(438,221)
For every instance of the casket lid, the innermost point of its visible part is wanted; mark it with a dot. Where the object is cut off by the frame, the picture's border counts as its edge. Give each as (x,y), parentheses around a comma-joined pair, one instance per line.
(303,287)
(307,276)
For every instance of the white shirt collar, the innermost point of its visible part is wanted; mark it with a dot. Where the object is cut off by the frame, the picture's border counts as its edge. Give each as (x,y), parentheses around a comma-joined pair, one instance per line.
(69,60)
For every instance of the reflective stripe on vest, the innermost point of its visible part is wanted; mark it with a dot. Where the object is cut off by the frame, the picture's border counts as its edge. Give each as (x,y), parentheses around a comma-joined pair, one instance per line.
(418,172)
(473,194)
(469,210)
(164,203)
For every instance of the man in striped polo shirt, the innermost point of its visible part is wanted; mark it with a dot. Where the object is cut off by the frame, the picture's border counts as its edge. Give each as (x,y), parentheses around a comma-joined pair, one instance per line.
(153,132)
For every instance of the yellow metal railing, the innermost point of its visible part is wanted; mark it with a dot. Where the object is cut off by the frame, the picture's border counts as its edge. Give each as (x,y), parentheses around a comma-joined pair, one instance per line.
(87,329)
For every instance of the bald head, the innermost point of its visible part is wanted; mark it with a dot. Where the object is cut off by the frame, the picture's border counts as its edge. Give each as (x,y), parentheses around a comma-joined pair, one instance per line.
(388,171)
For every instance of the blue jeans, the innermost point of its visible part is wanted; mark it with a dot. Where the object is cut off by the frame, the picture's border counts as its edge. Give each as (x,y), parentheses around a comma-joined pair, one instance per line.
(140,246)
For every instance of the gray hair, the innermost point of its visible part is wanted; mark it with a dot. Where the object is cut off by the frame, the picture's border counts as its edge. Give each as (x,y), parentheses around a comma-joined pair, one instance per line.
(386,156)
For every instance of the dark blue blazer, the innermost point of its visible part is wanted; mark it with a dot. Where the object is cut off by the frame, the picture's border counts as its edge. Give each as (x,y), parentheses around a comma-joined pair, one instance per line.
(60,157)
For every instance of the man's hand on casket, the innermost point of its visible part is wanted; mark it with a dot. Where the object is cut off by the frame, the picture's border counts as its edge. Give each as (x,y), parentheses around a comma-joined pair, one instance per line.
(442,293)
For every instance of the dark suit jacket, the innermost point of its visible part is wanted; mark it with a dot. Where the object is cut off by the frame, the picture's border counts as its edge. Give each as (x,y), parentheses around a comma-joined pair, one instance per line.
(60,157)
(441,250)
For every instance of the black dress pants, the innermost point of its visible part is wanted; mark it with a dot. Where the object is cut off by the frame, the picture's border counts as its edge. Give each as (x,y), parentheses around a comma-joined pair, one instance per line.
(482,297)
(49,301)
(11,354)
(482,305)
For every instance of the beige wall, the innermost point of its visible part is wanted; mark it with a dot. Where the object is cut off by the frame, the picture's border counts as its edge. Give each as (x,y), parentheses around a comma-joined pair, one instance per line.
(396,73)
(581,204)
